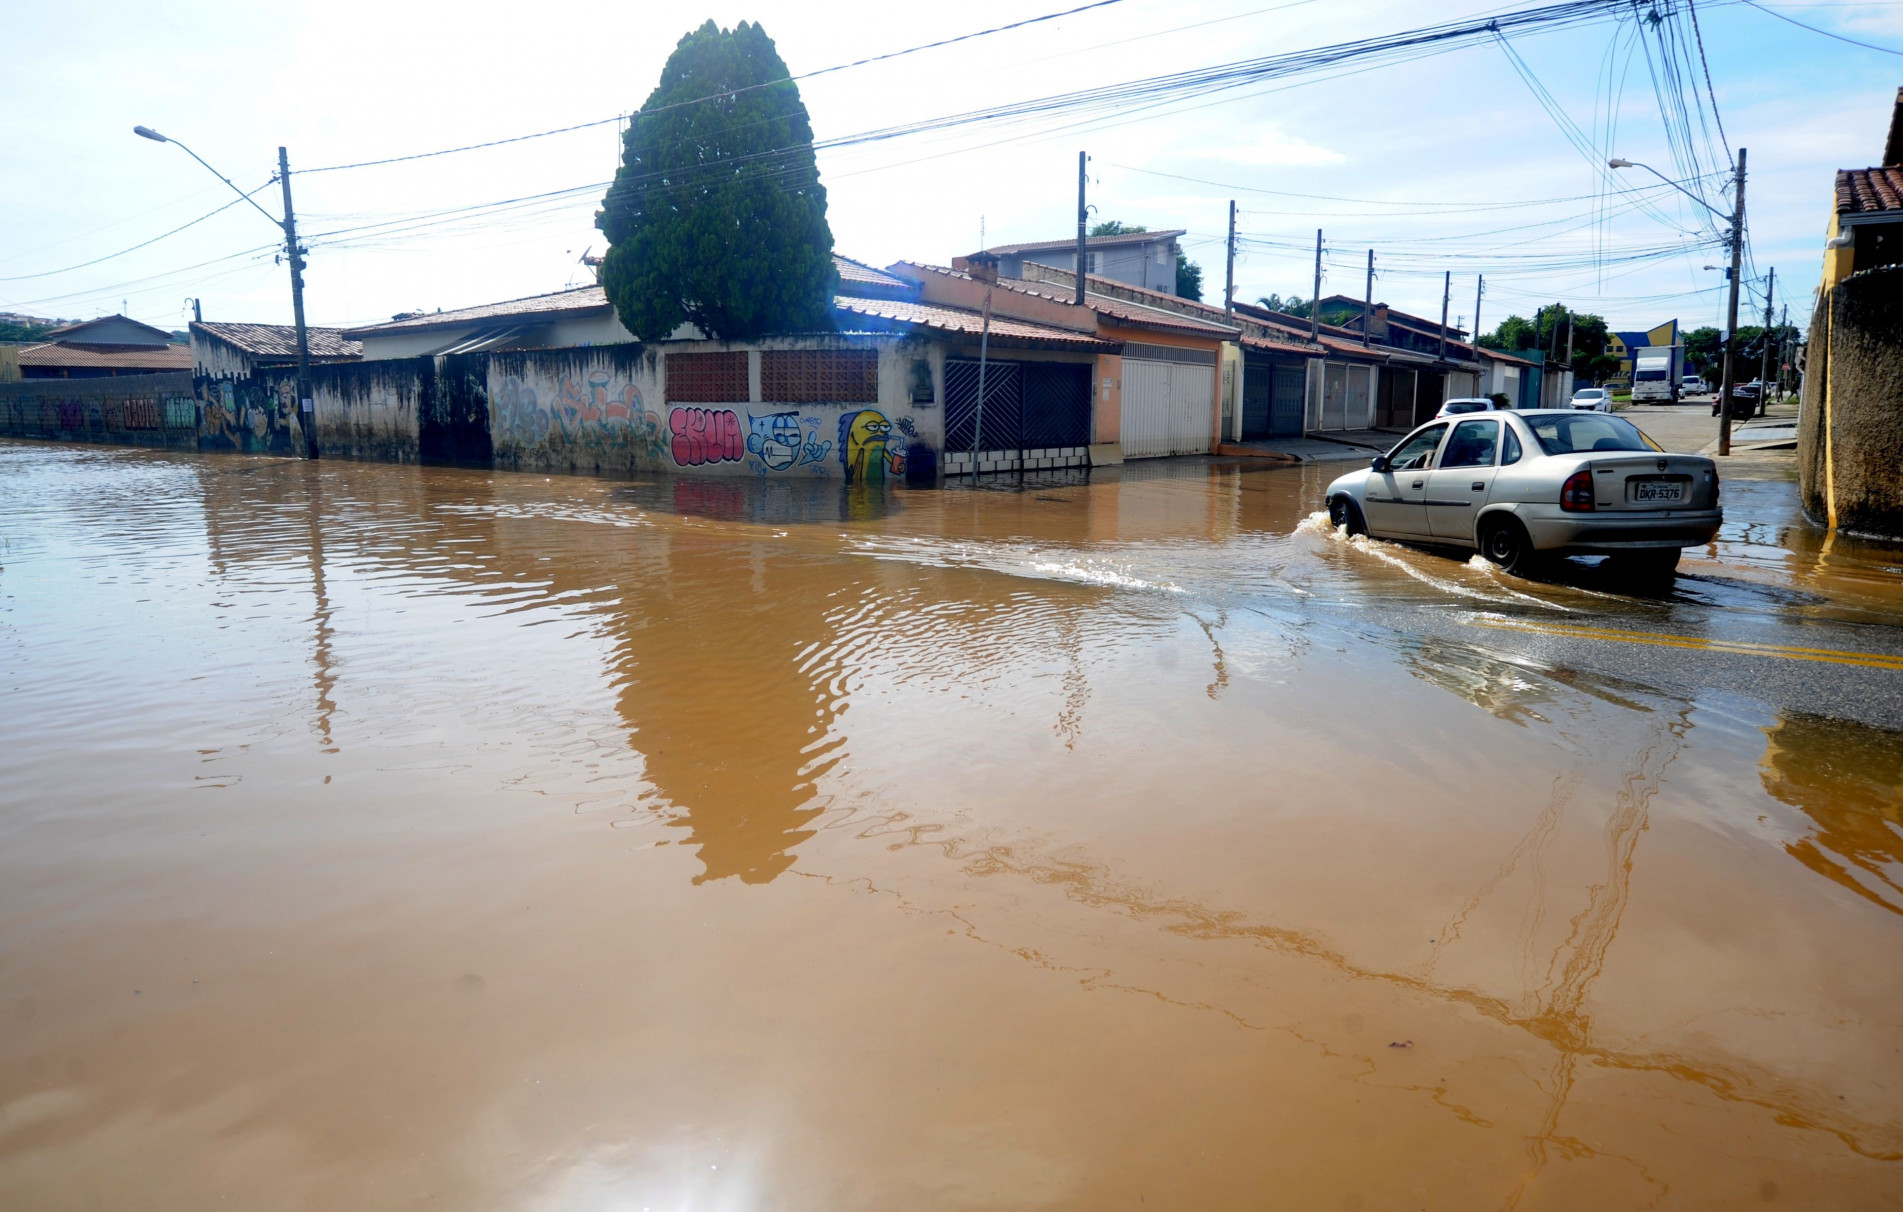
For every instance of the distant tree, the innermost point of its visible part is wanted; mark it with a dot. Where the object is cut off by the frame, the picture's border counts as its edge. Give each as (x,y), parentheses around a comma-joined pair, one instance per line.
(1114,227)
(1294,305)
(11,332)
(1702,352)
(1189,278)
(716,215)
(1548,333)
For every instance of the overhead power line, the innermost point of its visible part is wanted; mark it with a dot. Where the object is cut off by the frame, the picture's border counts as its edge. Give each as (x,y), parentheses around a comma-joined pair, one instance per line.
(824,71)
(141,244)
(1813,29)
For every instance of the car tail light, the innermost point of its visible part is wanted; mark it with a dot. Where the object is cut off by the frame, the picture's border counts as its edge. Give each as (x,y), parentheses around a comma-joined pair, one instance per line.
(1575,495)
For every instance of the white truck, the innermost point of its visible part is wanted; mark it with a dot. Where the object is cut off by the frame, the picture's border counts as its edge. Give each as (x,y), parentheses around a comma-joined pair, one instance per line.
(1655,375)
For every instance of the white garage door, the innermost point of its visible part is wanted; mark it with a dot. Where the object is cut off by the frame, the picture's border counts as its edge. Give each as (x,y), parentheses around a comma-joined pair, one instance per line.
(1168,408)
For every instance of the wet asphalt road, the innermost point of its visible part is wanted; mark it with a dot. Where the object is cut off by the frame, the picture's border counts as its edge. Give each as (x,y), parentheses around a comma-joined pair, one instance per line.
(1773,611)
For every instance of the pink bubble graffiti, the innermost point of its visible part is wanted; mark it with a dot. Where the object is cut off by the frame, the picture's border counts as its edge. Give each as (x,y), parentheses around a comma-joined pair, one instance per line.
(706,435)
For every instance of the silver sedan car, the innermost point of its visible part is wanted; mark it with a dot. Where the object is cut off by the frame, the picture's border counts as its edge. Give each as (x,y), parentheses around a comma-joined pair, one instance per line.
(1523,486)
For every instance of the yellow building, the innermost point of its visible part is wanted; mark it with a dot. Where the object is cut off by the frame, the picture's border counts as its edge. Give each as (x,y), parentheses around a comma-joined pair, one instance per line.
(1622,344)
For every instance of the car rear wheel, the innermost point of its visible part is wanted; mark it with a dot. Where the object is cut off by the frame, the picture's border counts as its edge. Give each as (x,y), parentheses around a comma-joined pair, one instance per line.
(1504,541)
(1344,514)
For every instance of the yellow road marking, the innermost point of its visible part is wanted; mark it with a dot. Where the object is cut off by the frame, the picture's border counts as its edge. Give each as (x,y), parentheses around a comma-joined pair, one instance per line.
(1829,656)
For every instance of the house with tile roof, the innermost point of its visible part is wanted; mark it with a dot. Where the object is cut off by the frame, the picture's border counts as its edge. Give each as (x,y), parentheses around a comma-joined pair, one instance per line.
(220,349)
(1162,394)
(1299,376)
(108,347)
(1146,259)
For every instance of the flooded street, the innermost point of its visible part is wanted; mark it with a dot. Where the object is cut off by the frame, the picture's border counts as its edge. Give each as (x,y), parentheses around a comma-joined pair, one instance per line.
(387,837)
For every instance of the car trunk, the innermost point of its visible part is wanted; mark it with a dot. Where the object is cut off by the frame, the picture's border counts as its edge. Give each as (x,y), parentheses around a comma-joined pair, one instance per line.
(1652,482)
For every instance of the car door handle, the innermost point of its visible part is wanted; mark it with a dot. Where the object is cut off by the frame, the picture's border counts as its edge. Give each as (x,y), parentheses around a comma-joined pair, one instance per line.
(1480,486)
(1418,483)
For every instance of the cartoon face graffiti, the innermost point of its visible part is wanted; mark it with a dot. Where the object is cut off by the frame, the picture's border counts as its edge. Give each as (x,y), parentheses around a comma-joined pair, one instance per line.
(780,444)
(868,448)
(776,439)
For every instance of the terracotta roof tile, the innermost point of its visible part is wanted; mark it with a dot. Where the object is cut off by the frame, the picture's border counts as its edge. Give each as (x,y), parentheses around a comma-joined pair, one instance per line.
(280,340)
(108,357)
(1115,310)
(858,273)
(957,321)
(1865,191)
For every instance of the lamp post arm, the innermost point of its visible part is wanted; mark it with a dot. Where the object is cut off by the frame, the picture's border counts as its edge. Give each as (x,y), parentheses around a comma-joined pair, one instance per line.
(1675,185)
(158,138)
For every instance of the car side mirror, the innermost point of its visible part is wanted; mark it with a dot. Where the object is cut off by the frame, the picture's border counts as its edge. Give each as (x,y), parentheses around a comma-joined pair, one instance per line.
(1379,463)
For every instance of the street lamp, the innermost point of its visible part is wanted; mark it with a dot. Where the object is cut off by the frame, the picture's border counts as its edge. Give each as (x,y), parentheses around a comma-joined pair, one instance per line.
(1736,220)
(288,225)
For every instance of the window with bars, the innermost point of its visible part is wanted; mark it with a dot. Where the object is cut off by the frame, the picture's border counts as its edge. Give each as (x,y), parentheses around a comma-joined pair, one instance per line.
(819,376)
(707,378)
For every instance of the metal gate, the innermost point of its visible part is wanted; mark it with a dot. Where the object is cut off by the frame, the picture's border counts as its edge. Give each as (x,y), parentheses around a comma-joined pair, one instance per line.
(1168,408)
(1036,416)
(1285,408)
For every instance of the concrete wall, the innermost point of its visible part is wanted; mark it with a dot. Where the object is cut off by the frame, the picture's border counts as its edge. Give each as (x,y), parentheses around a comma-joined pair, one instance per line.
(132,410)
(1850,431)
(601,410)
(606,410)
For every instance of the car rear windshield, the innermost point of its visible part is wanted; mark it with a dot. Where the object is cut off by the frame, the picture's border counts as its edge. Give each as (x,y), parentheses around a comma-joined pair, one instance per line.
(1466,406)
(1578,433)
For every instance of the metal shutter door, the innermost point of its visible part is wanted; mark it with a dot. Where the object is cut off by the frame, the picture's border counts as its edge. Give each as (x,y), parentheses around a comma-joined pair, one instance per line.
(1192,409)
(1168,408)
(1146,406)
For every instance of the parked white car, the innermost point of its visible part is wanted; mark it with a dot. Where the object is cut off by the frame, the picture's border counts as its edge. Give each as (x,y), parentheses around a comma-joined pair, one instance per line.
(1592,399)
(1692,385)
(1454,408)
(1520,487)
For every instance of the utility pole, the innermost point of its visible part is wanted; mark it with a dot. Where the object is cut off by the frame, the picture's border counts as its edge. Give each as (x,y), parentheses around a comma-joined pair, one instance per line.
(1083,218)
(1315,300)
(1783,348)
(288,225)
(1764,375)
(307,416)
(1229,291)
(198,311)
(1367,305)
(1446,293)
(1726,380)
(1480,292)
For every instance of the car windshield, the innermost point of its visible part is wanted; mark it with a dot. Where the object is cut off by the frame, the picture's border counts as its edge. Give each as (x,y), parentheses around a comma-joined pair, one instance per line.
(1465,406)
(1574,433)
(1588,393)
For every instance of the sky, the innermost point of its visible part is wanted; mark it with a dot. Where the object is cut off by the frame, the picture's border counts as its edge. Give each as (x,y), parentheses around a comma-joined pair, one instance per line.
(1484,160)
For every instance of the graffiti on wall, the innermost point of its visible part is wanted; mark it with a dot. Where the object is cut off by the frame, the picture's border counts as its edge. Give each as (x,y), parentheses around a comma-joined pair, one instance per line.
(778,442)
(705,435)
(871,448)
(597,413)
(241,416)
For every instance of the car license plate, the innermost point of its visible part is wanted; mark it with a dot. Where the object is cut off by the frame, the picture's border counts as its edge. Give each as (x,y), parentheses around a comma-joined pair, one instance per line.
(1655,492)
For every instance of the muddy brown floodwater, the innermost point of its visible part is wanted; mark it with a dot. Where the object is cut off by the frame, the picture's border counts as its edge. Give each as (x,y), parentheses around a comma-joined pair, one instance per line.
(382,837)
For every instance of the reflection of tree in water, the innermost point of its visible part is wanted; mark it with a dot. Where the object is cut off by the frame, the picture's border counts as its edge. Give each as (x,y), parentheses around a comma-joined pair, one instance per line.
(1848,778)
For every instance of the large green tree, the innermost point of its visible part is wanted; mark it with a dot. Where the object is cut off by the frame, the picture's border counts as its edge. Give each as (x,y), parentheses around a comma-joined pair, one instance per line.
(1548,331)
(717,216)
